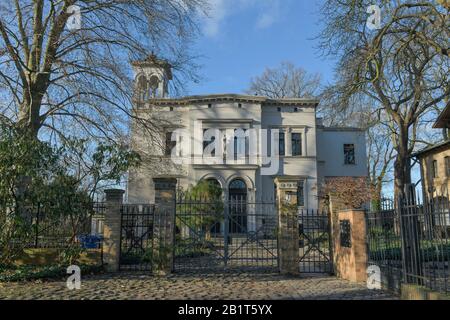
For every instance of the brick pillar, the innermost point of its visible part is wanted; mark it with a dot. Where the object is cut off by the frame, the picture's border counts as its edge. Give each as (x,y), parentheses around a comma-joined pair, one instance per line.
(288,249)
(112,225)
(164,225)
(350,257)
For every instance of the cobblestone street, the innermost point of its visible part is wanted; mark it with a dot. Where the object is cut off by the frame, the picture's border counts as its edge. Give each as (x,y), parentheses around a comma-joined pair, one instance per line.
(195,287)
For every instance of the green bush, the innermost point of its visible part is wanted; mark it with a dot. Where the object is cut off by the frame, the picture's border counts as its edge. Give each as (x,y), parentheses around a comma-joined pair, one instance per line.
(190,248)
(29,273)
(428,252)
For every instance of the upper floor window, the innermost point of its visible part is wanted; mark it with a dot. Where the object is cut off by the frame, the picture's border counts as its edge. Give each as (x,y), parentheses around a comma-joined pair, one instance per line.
(170,145)
(281,144)
(447,166)
(240,143)
(349,154)
(296,144)
(154,84)
(434,168)
(141,88)
(207,142)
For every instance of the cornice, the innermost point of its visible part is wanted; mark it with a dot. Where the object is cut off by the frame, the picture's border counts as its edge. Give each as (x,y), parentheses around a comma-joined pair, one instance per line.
(264,101)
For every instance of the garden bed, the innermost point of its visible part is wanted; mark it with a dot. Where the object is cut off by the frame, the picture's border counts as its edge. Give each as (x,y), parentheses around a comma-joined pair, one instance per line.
(33,272)
(44,263)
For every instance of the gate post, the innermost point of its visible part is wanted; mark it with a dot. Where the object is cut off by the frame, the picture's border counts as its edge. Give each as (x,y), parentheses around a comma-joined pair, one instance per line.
(288,248)
(112,225)
(349,236)
(164,225)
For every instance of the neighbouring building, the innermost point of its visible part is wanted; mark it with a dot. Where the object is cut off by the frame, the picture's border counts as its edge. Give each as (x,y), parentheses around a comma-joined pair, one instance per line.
(253,130)
(435,162)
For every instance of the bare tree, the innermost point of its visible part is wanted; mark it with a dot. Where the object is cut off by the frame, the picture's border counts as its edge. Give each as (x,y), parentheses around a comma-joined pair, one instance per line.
(57,81)
(381,155)
(404,66)
(285,81)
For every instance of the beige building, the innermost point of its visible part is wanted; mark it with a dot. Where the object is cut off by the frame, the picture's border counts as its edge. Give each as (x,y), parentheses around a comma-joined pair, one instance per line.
(435,162)
(260,139)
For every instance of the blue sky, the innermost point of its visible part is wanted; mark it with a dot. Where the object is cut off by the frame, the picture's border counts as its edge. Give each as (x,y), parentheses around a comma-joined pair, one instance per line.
(243,37)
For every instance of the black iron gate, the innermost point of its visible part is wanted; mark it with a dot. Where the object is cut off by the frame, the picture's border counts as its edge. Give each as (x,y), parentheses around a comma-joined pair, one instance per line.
(314,242)
(136,237)
(235,235)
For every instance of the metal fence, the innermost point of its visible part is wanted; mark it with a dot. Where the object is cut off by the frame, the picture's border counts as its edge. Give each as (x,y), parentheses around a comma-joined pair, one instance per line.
(410,241)
(51,227)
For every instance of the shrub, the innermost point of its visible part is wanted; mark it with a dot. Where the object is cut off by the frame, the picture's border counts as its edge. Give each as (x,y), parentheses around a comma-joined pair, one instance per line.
(29,273)
(352,192)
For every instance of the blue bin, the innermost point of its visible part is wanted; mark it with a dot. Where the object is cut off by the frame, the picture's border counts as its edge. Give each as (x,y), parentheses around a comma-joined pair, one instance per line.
(90,241)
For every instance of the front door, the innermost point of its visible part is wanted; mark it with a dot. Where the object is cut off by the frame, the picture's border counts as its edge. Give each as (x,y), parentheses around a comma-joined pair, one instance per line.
(238,207)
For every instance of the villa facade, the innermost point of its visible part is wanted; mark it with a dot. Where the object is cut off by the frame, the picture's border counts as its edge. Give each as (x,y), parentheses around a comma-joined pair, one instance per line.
(435,162)
(241,142)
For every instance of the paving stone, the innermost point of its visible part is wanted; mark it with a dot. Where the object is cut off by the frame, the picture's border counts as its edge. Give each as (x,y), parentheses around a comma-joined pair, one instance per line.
(207,286)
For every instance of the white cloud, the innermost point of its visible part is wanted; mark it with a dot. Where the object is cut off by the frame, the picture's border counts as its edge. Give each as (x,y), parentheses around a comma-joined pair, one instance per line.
(266,12)
(269,14)
(265,20)
(217,13)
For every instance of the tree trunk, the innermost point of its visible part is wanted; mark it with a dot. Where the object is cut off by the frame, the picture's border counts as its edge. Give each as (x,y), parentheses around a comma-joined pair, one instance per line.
(376,194)
(402,165)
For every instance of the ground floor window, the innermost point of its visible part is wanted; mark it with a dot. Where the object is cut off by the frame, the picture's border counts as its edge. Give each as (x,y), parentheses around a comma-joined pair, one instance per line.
(238,207)
(301,194)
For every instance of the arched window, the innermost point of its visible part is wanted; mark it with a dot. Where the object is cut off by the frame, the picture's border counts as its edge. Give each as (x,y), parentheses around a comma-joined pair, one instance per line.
(214,182)
(238,185)
(216,228)
(141,87)
(154,85)
(238,207)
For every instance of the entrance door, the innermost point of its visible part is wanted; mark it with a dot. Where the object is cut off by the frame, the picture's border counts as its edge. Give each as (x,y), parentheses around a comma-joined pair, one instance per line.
(238,207)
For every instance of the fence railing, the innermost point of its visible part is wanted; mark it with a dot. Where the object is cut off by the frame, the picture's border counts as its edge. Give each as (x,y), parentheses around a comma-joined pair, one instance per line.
(410,241)
(51,227)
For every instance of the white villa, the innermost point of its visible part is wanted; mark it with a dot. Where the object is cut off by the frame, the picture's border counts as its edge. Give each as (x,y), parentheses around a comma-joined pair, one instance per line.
(252,131)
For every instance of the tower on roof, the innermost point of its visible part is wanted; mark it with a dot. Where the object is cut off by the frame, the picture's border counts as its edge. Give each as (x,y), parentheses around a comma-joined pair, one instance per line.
(152,76)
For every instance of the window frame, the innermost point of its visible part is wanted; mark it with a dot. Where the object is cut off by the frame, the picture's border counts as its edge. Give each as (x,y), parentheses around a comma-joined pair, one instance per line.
(447,166)
(282,134)
(240,142)
(434,169)
(301,186)
(169,144)
(300,149)
(206,143)
(346,162)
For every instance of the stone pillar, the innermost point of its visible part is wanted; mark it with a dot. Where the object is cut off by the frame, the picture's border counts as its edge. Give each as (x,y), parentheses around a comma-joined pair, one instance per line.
(350,257)
(288,249)
(112,225)
(164,225)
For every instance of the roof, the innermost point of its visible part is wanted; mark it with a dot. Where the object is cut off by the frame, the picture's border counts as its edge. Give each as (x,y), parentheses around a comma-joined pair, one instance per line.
(151,61)
(443,121)
(343,129)
(431,148)
(236,98)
